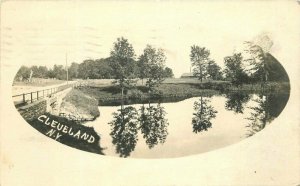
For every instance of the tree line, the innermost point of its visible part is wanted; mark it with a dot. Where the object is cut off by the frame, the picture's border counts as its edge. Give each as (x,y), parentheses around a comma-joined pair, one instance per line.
(258,67)
(88,69)
(123,65)
(105,68)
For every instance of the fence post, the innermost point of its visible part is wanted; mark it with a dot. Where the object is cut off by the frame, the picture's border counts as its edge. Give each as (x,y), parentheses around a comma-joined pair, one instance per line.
(31,97)
(24,98)
(37,95)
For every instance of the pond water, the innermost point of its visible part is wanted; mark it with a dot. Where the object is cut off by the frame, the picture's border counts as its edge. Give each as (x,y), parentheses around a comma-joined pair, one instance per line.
(183,128)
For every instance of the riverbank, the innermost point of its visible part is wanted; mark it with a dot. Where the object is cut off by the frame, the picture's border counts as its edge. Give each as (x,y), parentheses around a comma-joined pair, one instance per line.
(139,94)
(170,92)
(79,106)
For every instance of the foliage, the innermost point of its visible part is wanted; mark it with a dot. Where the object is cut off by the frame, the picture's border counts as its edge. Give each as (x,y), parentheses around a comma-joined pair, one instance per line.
(122,55)
(168,73)
(143,70)
(74,71)
(234,70)
(122,62)
(257,66)
(39,72)
(95,69)
(120,65)
(236,101)
(135,94)
(214,70)
(153,125)
(259,116)
(156,93)
(127,121)
(85,69)
(204,113)
(199,57)
(261,66)
(23,73)
(152,62)
(266,107)
(59,72)
(124,130)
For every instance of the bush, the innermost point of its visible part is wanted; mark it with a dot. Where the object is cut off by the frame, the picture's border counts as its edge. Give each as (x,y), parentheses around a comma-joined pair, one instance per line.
(135,94)
(156,94)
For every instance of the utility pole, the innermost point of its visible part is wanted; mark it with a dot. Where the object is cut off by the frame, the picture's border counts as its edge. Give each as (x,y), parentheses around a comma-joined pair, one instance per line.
(67,67)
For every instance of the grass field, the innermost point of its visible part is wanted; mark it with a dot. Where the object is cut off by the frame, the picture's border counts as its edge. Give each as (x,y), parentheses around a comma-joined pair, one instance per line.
(107,82)
(39,82)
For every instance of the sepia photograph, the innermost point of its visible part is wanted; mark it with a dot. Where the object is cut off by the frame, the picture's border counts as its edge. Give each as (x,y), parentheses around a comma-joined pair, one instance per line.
(131,105)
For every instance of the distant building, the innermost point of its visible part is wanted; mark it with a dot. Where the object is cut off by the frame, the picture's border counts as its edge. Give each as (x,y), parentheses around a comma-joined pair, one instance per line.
(188,75)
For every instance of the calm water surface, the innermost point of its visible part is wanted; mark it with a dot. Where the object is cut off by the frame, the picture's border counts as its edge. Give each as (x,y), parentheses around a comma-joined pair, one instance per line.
(187,127)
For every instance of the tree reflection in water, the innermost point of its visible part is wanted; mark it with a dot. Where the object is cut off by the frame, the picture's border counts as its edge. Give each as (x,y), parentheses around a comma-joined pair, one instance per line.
(236,102)
(267,108)
(153,124)
(124,130)
(127,121)
(204,113)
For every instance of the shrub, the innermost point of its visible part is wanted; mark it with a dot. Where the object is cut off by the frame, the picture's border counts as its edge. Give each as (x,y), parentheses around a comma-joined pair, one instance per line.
(135,94)
(156,94)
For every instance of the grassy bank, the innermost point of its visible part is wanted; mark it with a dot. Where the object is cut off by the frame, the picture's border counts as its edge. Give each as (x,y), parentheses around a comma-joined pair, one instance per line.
(206,84)
(139,94)
(79,106)
(178,91)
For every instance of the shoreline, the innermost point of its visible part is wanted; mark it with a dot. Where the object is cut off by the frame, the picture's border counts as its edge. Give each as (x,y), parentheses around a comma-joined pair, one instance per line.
(168,92)
(82,102)
(79,107)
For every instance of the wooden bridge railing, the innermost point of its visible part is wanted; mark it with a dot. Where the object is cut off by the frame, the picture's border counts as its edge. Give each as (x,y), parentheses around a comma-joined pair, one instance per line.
(30,97)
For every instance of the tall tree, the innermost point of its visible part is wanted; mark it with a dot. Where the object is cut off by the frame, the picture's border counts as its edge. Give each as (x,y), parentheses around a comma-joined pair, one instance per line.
(104,69)
(143,70)
(73,70)
(154,62)
(214,70)
(122,63)
(199,57)
(59,72)
(85,69)
(234,70)
(42,72)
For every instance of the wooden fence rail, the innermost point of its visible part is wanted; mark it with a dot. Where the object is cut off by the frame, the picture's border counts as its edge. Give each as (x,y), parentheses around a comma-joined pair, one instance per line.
(30,97)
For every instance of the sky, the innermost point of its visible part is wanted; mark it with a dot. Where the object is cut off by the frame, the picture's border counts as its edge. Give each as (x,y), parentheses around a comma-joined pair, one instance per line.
(42,33)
